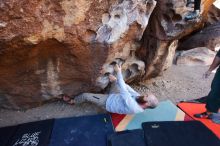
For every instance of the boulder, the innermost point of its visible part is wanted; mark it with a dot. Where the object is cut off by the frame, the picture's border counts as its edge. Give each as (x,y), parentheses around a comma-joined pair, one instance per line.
(214,13)
(195,57)
(167,25)
(208,37)
(48,48)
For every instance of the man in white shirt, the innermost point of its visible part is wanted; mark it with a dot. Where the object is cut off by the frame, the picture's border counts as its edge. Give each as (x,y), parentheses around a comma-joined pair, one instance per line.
(121,99)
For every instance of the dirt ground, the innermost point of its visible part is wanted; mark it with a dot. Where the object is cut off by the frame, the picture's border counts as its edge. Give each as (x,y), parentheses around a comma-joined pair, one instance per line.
(177,83)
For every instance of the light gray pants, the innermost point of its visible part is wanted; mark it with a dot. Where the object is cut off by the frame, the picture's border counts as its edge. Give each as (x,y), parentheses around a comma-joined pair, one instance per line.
(98,99)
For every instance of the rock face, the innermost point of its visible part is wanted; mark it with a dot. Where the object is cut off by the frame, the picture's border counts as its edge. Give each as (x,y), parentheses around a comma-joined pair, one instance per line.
(52,47)
(214,13)
(195,57)
(208,37)
(166,26)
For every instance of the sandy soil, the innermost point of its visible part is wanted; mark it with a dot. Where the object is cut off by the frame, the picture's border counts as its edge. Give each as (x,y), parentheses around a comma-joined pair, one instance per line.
(177,83)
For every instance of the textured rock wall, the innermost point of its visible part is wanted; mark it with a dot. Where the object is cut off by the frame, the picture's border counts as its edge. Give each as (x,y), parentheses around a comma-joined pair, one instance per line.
(165,28)
(209,36)
(214,14)
(52,47)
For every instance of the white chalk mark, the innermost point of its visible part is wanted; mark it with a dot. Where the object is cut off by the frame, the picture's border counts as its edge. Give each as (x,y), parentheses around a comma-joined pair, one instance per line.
(51,87)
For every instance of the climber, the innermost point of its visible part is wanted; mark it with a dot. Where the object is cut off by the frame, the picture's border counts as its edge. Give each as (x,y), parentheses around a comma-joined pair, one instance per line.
(213,98)
(121,98)
(196,12)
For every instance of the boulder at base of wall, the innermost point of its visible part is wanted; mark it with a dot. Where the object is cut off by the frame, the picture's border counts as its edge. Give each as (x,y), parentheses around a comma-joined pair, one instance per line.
(195,57)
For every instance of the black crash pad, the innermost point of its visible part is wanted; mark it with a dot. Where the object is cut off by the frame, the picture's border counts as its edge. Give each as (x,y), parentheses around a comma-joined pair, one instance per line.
(6,134)
(127,138)
(33,134)
(179,133)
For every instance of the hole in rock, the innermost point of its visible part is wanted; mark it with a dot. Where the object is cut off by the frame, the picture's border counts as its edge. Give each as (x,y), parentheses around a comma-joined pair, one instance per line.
(113,63)
(179,26)
(107,74)
(89,36)
(134,68)
(117,16)
(127,73)
(120,61)
(177,17)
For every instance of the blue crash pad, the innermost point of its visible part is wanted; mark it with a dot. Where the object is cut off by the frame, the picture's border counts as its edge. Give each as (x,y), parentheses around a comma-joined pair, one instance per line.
(82,131)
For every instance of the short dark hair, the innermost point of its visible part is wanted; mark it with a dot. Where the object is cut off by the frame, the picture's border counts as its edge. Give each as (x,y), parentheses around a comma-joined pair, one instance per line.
(141,100)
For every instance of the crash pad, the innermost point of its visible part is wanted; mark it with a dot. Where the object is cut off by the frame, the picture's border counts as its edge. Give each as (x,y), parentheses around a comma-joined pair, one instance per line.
(178,133)
(165,111)
(82,131)
(6,134)
(194,108)
(33,134)
(127,138)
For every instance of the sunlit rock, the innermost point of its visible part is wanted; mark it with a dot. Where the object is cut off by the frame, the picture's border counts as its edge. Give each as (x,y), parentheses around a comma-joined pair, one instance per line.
(195,57)
(48,48)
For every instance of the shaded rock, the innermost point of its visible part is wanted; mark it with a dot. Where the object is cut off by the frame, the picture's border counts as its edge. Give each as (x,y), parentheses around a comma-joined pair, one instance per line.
(208,37)
(194,57)
(166,25)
